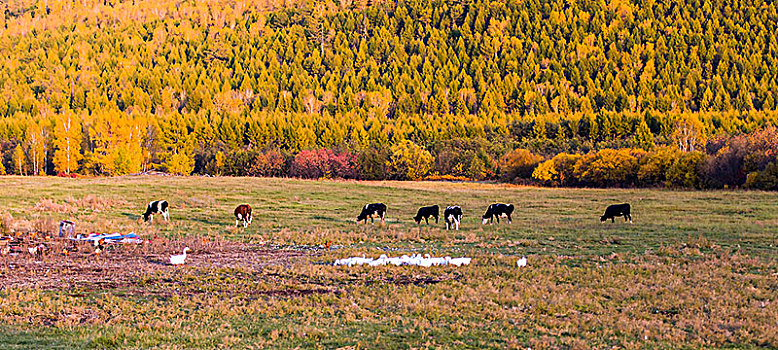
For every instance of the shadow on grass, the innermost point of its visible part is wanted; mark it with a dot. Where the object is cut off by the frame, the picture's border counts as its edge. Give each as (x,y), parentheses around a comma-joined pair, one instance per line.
(208,221)
(19,339)
(131,216)
(156,261)
(327,218)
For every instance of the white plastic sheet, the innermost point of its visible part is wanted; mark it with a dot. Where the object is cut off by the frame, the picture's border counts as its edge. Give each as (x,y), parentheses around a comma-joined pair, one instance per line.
(110,238)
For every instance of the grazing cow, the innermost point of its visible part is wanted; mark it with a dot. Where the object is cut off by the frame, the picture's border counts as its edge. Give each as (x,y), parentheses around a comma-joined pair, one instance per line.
(617,210)
(453,216)
(377,209)
(426,212)
(154,208)
(496,211)
(243,214)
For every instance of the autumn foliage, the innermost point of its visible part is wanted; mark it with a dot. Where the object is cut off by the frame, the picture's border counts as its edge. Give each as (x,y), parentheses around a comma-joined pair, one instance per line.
(408,161)
(518,164)
(561,94)
(323,163)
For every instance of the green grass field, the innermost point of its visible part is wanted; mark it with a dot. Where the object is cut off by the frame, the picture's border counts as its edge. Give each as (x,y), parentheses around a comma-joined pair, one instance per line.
(695,270)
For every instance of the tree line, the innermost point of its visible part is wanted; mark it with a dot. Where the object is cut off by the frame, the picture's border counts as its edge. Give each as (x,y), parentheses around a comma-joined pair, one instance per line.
(564,152)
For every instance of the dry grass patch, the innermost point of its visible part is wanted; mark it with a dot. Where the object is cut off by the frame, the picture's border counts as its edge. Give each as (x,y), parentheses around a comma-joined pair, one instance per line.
(51,206)
(377,234)
(97,203)
(72,205)
(197,202)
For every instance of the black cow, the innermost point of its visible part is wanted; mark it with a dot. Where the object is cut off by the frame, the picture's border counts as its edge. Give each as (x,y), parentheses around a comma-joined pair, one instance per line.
(154,208)
(377,209)
(496,211)
(617,210)
(453,216)
(427,212)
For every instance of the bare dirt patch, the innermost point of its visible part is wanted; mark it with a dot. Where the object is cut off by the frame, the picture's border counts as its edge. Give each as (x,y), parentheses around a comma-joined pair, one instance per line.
(124,264)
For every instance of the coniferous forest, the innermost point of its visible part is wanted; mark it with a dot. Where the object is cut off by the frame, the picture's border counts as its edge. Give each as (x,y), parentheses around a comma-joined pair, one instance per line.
(560,93)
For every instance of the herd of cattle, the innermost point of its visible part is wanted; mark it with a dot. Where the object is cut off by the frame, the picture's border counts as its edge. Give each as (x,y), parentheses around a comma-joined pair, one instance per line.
(452,215)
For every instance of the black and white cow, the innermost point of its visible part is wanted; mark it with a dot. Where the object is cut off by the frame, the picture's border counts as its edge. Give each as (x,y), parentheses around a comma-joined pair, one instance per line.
(243,214)
(453,216)
(496,211)
(370,210)
(427,212)
(617,210)
(155,208)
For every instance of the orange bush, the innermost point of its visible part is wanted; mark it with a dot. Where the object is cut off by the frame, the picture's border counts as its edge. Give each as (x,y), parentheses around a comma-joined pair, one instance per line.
(518,164)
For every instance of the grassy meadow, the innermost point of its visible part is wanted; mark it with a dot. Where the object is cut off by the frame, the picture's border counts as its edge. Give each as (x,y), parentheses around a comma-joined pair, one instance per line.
(697,269)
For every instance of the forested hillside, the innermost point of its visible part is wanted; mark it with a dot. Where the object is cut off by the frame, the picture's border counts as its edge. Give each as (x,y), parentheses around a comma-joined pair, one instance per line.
(114,87)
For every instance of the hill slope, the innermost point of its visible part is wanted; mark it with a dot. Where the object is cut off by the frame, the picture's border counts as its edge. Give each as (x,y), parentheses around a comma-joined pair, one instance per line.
(411,57)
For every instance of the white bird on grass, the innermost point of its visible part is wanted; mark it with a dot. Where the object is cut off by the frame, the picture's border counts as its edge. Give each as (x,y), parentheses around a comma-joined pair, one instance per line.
(353,261)
(424,262)
(522,262)
(382,260)
(179,259)
(460,261)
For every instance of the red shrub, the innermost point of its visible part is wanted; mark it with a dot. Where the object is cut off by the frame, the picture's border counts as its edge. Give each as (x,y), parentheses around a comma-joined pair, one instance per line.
(323,163)
(733,158)
(270,163)
(343,165)
(71,175)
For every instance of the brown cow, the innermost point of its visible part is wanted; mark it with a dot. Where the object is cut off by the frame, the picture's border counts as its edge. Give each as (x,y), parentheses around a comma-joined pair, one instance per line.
(243,213)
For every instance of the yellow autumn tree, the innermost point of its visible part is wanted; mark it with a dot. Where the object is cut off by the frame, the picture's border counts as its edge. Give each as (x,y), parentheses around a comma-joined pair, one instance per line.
(557,171)
(689,133)
(409,161)
(178,147)
(608,167)
(518,164)
(117,144)
(150,135)
(133,137)
(67,141)
(104,140)
(37,137)
(19,160)
(545,172)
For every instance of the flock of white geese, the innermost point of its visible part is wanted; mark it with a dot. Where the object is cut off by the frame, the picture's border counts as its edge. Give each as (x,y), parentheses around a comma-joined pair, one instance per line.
(416,259)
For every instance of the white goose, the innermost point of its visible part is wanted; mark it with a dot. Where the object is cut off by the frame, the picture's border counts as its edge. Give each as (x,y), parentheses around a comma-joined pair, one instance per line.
(459,261)
(522,262)
(179,259)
